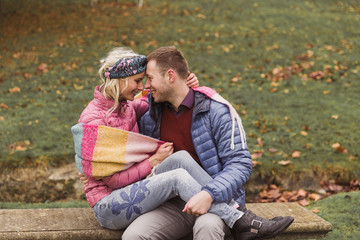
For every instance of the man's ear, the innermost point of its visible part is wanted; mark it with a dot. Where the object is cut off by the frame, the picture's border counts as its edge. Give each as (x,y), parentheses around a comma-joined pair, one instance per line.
(170,75)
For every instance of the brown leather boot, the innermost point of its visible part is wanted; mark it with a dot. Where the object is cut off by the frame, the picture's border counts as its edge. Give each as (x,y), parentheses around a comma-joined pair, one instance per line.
(251,226)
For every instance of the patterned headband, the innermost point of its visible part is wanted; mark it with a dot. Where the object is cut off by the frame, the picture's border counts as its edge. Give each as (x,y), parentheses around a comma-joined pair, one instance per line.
(127,67)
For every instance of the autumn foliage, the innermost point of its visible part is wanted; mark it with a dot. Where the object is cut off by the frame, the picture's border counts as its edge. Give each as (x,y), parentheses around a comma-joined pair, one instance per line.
(274,193)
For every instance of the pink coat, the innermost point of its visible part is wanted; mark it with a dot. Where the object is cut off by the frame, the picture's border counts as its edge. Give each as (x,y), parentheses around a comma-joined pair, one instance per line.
(124,117)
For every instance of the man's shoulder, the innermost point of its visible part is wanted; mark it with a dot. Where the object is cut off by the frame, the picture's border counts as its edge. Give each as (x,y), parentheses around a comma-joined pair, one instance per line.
(218,108)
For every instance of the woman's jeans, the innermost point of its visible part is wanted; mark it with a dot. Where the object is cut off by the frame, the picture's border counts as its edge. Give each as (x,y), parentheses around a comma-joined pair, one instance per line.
(178,175)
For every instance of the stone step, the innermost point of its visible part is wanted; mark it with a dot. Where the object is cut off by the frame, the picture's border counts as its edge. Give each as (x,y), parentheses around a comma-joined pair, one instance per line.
(80,223)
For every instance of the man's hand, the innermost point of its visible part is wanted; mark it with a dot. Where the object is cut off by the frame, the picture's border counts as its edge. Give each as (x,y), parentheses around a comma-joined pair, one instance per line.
(192,81)
(199,204)
(163,152)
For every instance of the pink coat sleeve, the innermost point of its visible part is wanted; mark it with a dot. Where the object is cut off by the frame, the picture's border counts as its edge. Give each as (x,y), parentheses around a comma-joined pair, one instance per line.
(133,174)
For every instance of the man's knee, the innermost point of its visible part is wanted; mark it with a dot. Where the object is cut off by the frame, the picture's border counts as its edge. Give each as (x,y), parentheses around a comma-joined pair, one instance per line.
(134,234)
(209,226)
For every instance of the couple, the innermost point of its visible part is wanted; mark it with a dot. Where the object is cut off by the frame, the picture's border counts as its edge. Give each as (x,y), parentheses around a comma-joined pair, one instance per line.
(168,195)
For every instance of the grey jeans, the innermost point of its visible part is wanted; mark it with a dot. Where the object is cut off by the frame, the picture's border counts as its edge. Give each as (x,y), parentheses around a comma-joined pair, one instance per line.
(168,222)
(178,175)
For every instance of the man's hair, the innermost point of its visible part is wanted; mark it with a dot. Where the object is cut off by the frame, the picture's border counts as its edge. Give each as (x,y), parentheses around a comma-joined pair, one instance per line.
(170,58)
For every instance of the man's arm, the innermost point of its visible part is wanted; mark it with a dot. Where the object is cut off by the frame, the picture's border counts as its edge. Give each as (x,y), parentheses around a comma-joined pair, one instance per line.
(237,164)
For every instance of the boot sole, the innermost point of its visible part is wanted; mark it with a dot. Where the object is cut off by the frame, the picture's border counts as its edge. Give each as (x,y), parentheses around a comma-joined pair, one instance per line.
(285,226)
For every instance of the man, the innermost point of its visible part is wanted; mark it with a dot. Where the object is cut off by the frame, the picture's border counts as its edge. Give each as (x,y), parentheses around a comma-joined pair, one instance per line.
(205,128)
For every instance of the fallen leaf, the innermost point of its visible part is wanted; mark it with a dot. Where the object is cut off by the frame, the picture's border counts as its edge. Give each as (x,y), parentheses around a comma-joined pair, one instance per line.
(151,43)
(3,105)
(315,210)
(339,148)
(314,196)
(303,133)
(274,193)
(263,130)
(14,89)
(284,163)
(78,87)
(2,118)
(334,116)
(42,68)
(257,154)
(303,202)
(335,188)
(226,49)
(273,150)
(289,195)
(202,16)
(301,193)
(263,194)
(328,47)
(296,154)
(18,146)
(335,145)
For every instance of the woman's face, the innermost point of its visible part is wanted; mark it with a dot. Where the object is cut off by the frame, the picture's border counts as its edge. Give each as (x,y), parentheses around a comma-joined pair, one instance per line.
(135,84)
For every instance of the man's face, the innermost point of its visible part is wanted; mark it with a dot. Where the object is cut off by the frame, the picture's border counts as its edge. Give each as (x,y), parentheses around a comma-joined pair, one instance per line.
(157,83)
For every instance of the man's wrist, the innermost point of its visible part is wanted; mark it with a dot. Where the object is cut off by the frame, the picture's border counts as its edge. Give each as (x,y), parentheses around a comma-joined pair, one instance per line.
(208,195)
(204,188)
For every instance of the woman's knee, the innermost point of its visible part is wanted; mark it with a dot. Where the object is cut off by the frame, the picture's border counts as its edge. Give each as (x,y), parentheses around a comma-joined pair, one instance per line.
(182,154)
(182,159)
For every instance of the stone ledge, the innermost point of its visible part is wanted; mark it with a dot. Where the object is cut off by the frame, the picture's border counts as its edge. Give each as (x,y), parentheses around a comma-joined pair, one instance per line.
(80,223)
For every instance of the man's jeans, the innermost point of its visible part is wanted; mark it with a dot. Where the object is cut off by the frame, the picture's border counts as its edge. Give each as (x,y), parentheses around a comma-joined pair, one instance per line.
(178,175)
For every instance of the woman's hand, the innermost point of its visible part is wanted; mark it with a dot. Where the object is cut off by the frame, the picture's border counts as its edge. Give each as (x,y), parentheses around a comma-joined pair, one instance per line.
(192,81)
(83,178)
(163,152)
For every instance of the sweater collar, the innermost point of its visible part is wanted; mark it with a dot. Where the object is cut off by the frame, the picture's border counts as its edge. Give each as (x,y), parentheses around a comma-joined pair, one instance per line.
(201,104)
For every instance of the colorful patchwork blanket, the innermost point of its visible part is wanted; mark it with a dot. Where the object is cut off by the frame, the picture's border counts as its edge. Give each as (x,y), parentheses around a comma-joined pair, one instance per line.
(101,151)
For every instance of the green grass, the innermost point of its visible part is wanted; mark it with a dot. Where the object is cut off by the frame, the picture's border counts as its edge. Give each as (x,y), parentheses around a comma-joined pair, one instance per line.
(69,204)
(231,45)
(342,211)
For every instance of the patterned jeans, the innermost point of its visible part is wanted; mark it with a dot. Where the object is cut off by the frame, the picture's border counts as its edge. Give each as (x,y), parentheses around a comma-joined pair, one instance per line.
(178,175)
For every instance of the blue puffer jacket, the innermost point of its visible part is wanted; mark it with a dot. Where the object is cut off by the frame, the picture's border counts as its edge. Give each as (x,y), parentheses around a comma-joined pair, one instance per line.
(211,130)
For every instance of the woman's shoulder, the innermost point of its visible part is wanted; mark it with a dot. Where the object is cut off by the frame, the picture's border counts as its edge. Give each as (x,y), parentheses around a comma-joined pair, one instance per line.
(91,113)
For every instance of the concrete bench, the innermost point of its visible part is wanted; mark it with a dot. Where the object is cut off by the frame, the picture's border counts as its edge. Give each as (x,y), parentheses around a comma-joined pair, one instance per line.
(80,223)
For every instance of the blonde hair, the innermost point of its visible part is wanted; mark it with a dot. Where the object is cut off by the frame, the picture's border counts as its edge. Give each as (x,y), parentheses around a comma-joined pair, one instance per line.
(110,87)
